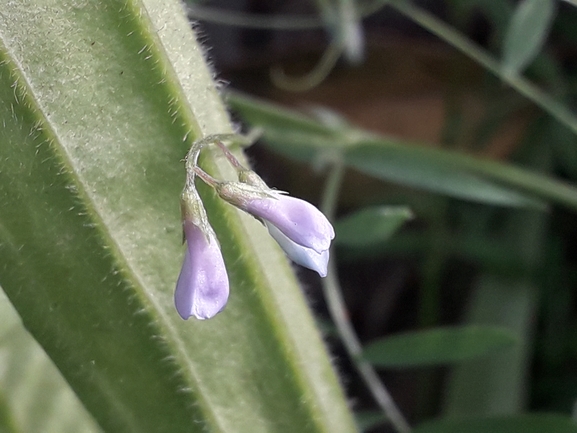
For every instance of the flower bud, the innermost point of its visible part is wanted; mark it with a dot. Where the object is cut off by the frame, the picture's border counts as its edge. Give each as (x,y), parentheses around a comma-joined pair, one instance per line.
(302,231)
(297,219)
(202,287)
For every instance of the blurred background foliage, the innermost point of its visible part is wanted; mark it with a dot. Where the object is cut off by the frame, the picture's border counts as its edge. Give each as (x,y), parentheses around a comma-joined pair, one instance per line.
(458,114)
(440,137)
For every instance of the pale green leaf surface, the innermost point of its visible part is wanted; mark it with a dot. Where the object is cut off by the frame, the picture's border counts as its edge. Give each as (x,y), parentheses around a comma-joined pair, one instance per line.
(437,346)
(371,225)
(451,173)
(526,33)
(27,377)
(98,102)
(533,423)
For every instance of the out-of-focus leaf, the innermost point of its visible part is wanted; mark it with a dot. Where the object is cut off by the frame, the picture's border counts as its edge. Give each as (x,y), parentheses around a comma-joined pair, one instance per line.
(99,102)
(531,423)
(371,225)
(526,33)
(497,13)
(347,28)
(437,170)
(27,377)
(497,386)
(437,346)
(432,170)
(368,419)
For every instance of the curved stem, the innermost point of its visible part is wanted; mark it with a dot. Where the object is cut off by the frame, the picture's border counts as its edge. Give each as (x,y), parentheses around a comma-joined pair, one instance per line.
(333,295)
(312,78)
(191,158)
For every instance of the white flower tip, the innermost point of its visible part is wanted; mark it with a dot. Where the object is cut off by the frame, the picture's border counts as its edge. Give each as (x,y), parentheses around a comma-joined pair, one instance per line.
(303,256)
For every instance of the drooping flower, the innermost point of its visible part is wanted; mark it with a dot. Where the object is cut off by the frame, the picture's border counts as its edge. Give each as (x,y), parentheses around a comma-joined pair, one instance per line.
(302,231)
(202,288)
(297,219)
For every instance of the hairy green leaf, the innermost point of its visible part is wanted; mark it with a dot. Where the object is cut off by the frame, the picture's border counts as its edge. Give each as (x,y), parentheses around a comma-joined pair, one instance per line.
(27,376)
(99,103)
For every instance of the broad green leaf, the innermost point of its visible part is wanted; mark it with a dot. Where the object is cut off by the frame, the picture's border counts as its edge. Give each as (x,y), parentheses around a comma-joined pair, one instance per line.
(437,346)
(530,423)
(99,103)
(451,173)
(27,377)
(526,33)
(371,225)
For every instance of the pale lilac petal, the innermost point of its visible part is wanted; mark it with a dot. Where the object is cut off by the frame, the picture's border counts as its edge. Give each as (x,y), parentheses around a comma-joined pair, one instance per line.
(297,219)
(303,256)
(202,287)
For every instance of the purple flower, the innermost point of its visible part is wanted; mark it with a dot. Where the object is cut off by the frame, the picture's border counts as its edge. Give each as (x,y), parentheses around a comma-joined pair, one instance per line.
(202,287)
(302,231)
(297,219)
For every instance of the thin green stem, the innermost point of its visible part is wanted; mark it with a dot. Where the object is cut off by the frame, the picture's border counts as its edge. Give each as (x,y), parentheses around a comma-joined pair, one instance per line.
(333,295)
(192,155)
(437,27)
(191,159)
(332,189)
(191,204)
